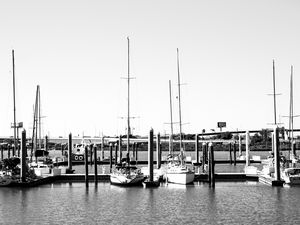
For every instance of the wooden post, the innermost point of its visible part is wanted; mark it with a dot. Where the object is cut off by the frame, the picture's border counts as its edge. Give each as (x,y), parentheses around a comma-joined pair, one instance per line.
(234,154)
(70,153)
(91,154)
(86,166)
(204,156)
(102,148)
(120,148)
(133,149)
(23,156)
(230,153)
(136,152)
(18,147)
(46,143)
(116,153)
(197,148)
(276,154)
(1,146)
(294,152)
(170,143)
(212,164)
(247,148)
(95,164)
(8,151)
(240,146)
(110,157)
(150,155)
(209,165)
(158,152)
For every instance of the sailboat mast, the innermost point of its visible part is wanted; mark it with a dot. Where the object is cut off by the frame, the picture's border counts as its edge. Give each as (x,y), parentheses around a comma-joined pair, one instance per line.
(291,119)
(34,130)
(171,135)
(179,102)
(39,117)
(14,96)
(128,102)
(274,93)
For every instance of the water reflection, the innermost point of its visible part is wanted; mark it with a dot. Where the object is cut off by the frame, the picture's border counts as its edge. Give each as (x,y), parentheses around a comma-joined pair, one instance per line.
(227,203)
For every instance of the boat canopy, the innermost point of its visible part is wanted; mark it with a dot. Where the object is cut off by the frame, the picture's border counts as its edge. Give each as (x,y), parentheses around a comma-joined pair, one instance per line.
(121,166)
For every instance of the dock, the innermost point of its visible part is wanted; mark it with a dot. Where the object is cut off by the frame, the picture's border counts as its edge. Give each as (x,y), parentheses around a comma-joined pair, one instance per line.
(63,178)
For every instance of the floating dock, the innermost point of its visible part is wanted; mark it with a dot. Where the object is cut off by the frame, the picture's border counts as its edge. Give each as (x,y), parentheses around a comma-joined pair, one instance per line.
(236,177)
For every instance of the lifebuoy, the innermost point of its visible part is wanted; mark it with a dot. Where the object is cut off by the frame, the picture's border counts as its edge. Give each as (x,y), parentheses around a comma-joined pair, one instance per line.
(76,157)
(81,157)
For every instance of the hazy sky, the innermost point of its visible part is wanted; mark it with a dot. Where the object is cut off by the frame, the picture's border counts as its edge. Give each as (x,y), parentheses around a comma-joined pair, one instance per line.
(77,52)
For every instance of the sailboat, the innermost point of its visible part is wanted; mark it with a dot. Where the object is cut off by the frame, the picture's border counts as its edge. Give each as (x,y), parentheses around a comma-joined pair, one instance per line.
(177,171)
(36,132)
(42,164)
(291,175)
(125,174)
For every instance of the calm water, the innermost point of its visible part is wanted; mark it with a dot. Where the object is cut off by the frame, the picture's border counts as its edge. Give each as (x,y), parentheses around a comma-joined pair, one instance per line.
(227,203)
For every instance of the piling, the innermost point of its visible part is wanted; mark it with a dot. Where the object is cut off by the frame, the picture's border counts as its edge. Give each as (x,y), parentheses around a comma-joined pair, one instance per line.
(116,153)
(230,153)
(91,154)
(170,143)
(102,148)
(18,148)
(70,152)
(293,153)
(211,164)
(204,156)
(197,148)
(1,146)
(95,165)
(136,152)
(133,149)
(247,148)
(86,166)
(127,158)
(23,156)
(110,157)
(240,146)
(150,155)
(234,154)
(158,152)
(8,151)
(276,154)
(294,148)
(120,148)
(46,143)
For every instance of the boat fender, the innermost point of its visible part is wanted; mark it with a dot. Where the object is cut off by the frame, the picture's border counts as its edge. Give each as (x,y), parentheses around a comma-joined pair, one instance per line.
(76,157)
(80,157)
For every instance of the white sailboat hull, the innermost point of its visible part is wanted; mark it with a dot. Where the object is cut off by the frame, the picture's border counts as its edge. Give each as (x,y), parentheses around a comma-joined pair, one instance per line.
(181,177)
